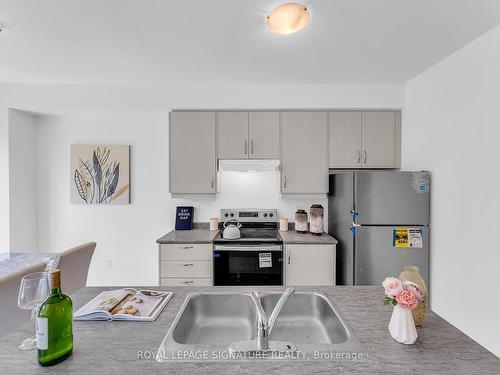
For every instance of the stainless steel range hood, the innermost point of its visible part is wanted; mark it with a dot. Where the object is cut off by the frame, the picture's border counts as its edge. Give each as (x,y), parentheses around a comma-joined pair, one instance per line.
(248,165)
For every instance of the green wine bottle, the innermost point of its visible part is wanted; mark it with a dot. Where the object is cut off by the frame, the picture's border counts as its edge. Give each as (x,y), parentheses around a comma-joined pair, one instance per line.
(54,324)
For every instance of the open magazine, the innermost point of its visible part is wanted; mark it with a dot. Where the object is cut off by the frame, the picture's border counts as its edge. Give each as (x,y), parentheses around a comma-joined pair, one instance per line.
(124,304)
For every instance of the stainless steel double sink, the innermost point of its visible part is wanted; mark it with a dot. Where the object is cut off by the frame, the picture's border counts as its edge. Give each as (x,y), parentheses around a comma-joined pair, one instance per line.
(208,325)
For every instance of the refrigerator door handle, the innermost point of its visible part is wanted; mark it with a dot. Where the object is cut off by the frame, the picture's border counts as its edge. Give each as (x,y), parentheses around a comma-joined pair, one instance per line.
(353,227)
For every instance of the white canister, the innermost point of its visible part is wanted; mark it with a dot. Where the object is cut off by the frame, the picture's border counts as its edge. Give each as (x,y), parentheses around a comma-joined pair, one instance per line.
(283,224)
(214,223)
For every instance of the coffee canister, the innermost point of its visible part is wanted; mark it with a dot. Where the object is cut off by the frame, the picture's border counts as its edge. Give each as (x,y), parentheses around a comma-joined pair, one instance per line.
(316,219)
(214,223)
(301,221)
(283,224)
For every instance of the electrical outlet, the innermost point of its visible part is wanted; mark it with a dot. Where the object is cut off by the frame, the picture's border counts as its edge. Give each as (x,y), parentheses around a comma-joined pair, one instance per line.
(107,263)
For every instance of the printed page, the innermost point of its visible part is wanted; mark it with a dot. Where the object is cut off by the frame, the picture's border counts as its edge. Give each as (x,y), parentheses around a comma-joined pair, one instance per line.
(144,305)
(104,303)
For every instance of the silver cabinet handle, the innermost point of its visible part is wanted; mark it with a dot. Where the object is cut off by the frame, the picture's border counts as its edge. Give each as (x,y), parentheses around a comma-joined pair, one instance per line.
(187,282)
(284,183)
(245,147)
(288,258)
(366,156)
(186,265)
(186,247)
(251,147)
(359,156)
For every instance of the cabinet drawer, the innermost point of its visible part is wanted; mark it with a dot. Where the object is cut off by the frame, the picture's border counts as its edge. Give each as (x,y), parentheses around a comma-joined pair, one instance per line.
(171,281)
(186,251)
(185,268)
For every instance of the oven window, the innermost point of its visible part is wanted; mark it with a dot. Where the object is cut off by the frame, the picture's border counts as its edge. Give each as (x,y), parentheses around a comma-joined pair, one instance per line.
(244,268)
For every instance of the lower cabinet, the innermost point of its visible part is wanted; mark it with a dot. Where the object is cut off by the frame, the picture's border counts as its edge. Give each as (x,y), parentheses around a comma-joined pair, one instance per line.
(185,264)
(309,265)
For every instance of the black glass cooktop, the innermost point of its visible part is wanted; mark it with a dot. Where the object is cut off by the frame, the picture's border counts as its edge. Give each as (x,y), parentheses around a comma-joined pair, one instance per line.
(252,234)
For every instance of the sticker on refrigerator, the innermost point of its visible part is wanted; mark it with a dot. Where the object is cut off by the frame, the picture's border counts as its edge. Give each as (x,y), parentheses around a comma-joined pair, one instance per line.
(415,237)
(265,260)
(420,182)
(404,238)
(400,238)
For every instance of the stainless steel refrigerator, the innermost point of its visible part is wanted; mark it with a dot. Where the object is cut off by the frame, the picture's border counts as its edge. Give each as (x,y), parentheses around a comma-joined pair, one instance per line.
(369,213)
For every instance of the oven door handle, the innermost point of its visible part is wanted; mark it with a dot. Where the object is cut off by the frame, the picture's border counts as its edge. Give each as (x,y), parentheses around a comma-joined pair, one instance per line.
(249,248)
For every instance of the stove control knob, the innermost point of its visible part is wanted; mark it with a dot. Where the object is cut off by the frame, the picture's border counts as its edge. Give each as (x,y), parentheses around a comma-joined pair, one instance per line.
(271,214)
(265,215)
(226,214)
(231,214)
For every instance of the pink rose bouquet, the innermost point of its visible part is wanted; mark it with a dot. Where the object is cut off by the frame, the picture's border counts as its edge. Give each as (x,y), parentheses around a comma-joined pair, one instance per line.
(392,287)
(419,293)
(407,294)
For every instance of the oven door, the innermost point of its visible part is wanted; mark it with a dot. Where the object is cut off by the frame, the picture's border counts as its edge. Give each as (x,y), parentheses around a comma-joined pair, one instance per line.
(248,265)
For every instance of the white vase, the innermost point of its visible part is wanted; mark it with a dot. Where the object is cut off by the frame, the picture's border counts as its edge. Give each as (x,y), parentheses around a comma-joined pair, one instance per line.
(402,327)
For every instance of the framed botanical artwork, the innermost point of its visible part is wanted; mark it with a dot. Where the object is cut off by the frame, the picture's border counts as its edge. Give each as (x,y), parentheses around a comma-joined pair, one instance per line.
(100,174)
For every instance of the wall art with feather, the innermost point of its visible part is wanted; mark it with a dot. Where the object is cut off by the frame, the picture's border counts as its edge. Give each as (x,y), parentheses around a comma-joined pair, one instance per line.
(100,174)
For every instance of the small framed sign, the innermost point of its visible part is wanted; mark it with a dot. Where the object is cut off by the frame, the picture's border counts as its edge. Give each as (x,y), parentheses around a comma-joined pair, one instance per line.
(184,218)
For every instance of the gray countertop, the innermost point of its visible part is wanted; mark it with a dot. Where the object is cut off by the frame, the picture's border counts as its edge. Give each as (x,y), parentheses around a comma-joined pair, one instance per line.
(115,347)
(201,234)
(188,236)
(293,237)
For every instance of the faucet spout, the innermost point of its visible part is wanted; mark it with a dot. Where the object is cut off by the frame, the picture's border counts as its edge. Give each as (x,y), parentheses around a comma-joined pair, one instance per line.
(265,324)
(277,309)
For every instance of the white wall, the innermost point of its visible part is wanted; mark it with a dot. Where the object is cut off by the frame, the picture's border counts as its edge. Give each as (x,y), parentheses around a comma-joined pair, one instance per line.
(127,234)
(137,115)
(23,182)
(451,126)
(4,178)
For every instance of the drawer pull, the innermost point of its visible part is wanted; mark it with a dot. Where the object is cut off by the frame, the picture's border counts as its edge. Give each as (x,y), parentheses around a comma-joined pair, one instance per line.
(186,247)
(186,265)
(187,282)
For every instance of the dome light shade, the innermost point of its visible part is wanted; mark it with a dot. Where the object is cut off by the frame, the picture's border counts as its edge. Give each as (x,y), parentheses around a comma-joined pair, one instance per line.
(288,18)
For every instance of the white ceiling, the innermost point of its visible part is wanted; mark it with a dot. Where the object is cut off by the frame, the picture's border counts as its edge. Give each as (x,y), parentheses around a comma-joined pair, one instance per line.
(226,41)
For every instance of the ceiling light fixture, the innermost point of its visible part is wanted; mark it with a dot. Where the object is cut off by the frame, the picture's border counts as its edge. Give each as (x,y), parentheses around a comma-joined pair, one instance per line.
(288,18)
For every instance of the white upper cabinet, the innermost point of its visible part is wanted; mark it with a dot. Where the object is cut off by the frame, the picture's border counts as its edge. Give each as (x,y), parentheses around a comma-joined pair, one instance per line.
(232,135)
(345,139)
(304,150)
(264,135)
(192,152)
(380,140)
(369,139)
(248,135)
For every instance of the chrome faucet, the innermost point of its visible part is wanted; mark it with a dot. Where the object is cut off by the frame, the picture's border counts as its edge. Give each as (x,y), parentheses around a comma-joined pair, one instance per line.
(264,324)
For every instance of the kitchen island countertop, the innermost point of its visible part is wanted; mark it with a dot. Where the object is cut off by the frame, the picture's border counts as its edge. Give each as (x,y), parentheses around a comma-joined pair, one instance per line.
(128,347)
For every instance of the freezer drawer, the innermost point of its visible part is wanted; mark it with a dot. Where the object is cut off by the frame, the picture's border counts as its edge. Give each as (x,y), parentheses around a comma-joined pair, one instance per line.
(377,258)
(392,197)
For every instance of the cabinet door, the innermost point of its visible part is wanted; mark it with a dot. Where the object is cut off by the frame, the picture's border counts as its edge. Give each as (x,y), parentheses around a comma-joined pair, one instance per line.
(310,265)
(379,148)
(193,163)
(232,135)
(345,139)
(304,165)
(263,134)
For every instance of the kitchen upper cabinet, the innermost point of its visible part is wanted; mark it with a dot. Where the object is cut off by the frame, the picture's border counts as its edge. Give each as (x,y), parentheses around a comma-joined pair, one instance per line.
(310,265)
(248,135)
(345,139)
(380,141)
(232,135)
(264,135)
(304,145)
(369,139)
(193,164)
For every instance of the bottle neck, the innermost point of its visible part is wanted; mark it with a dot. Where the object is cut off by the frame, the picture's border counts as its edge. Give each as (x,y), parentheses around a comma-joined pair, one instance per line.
(55,291)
